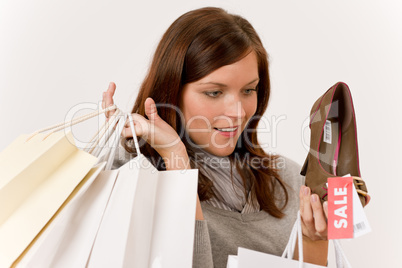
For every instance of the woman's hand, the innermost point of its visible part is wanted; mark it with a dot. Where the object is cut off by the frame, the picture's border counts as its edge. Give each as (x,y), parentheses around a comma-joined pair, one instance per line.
(314,215)
(154,130)
(107,99)
(314,228)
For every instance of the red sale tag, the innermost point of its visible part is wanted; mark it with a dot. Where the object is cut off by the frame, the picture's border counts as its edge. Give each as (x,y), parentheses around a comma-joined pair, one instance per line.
(340,207)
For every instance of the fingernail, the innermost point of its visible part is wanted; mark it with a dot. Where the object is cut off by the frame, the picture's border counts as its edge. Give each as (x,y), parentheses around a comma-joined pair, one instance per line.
(306,191)
(314,198)
(110,84)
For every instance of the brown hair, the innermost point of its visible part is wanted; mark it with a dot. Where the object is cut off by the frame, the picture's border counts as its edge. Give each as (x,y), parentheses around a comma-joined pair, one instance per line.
(196,44)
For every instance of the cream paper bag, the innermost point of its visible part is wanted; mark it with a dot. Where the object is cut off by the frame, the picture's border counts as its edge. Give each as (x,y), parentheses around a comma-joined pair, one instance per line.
(68,238)
(36,177)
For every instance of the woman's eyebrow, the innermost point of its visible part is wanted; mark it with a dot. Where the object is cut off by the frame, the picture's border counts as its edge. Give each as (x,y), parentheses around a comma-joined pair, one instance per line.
(212,83)
(223,85)
(255,80)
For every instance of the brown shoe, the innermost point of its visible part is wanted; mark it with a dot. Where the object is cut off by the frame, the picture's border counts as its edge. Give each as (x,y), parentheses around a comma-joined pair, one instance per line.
(333,144)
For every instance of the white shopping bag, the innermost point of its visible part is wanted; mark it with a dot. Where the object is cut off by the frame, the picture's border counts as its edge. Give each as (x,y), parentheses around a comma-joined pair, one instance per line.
(150,218)
(232,261)
(249,258)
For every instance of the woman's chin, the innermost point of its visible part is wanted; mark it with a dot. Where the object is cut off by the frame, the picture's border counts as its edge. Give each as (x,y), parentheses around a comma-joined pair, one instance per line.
(220,151)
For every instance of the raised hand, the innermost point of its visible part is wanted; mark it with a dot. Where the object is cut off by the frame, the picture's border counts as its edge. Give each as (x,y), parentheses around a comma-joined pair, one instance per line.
(155,131)
(107,99)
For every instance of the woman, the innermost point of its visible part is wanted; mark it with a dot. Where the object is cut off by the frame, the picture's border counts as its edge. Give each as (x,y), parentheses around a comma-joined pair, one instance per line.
(199,106)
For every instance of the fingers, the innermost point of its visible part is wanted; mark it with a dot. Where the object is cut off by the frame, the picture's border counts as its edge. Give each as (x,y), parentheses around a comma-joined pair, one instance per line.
(313,214)
(150,110)
(110,93)
(107,98)
(368,198)
(103,100)
(325,206)
(141,126)
(306,210)
(126,132)
(320,220)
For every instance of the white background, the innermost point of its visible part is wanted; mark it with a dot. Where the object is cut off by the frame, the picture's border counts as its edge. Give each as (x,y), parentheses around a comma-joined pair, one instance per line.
(55,55)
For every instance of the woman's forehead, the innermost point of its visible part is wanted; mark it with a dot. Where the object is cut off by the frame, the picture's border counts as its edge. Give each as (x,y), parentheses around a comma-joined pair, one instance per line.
(244,72)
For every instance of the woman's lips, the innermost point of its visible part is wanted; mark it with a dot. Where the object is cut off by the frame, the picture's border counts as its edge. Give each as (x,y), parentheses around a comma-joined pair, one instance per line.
(228,132)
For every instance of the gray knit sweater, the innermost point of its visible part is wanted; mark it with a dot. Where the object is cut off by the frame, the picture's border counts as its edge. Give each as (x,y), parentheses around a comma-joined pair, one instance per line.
(223,231)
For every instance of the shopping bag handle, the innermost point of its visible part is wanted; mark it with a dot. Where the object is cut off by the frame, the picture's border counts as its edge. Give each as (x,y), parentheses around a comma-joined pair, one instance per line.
(106,130)
(296,234)
(115,137)
(340,256)
(65,124)
(106,139)
(137,147)
(110,155)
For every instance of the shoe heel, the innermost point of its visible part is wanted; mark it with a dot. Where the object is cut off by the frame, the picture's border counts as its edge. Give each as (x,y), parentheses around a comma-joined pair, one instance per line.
(304,168)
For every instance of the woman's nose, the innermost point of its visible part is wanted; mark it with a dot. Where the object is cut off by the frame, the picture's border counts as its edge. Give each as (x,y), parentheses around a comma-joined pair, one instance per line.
(233,108)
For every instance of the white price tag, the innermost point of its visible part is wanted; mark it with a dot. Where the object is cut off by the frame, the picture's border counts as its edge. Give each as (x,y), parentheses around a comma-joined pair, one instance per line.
(361,225)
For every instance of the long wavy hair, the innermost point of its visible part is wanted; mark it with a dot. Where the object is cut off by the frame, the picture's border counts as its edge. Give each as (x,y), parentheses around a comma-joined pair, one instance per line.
(196,44)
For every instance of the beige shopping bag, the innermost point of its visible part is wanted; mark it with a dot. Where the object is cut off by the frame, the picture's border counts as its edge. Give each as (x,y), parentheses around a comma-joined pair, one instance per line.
(67,240)
(36,177)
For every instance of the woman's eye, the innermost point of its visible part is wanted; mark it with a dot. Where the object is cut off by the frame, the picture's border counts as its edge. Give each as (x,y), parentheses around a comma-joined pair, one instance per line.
(213,94)
(249,91)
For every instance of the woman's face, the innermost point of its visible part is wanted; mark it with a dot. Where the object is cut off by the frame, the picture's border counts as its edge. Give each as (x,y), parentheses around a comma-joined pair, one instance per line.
(217,107)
